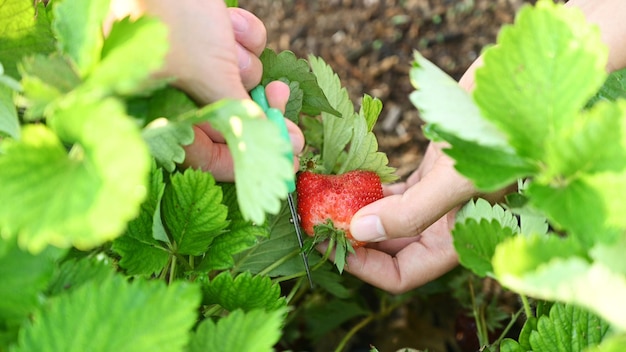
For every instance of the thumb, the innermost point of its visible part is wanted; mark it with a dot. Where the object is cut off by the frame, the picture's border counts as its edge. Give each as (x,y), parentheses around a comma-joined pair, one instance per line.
(410,213)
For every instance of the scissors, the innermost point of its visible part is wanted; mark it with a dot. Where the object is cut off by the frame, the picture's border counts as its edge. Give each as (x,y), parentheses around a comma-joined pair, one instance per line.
(274,115)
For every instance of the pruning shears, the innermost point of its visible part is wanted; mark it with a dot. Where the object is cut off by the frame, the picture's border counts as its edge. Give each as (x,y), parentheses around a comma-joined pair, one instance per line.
(275,116)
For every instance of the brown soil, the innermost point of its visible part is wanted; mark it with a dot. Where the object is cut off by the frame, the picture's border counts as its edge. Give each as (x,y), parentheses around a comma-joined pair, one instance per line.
(369,43)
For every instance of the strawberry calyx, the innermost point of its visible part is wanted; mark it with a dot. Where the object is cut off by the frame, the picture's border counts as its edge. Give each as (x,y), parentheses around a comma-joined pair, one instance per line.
(337,240)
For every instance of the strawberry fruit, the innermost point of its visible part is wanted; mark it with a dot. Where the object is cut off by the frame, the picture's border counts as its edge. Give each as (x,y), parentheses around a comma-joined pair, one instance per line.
(328,202)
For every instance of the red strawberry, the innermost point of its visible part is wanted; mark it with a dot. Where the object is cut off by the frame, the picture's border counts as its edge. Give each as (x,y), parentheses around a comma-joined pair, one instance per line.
(336,198)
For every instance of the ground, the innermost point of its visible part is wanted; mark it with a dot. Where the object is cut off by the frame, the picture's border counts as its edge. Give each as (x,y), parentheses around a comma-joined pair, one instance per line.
(369,43)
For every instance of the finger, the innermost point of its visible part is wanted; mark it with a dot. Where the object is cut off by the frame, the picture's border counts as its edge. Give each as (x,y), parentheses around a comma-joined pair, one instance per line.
(250,68)
(210,156)
(249,30)
(421,261)
(277,93)
(410,213)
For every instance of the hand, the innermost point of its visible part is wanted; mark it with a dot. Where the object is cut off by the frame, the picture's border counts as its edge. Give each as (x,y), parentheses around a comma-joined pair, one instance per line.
(213,55)
(411,226)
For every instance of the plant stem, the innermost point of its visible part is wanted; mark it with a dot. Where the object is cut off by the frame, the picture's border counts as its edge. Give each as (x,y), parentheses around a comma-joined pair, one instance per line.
(527,310)
(514,318)
(278,263)
(172,270)
(342,344)
(384,311)
(479,318)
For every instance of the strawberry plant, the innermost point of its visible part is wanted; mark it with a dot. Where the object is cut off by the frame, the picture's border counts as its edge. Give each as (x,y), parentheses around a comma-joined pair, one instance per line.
(105,243)
(544,115)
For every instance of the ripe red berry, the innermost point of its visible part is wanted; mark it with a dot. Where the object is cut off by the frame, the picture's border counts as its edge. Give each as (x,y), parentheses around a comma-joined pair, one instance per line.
(336,198)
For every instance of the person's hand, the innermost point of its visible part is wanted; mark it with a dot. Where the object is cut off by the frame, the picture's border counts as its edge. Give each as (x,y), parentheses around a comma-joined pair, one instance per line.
(213,55)
(410,227)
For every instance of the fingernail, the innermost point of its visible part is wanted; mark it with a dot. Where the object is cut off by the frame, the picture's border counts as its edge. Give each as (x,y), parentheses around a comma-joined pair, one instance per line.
(239,22)
(243,57)
(368,229)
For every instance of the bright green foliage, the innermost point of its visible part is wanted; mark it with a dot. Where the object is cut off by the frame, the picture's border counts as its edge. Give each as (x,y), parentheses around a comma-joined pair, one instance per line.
(79,34)
(350,130)
(9,124)
(566,328)
(44,80)
(257,330)
(97,200)
(434,92)
(240,235)
(141,311)
(30,273)
(477,231)
(193,212)
(131,52)
(75,272)
(22,33)
(261,171)
(551,268)
(165,140)
(286,66)
(244,292)
(541,81)
(541,92)
(141,253)
(277,255)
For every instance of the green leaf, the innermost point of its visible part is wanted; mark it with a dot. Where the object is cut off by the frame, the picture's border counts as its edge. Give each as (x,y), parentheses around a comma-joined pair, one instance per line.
(46,79)
(581,147)
(232,3)
(240,235)
(552,268)
(102,179)
(607,185)
(614,88)
(23,33)
(165,140)
(121,316)
(443,103)
(286,65)
(9,123)
(490,168)
(330,85)
(323,318)
(531,83)
(78,27)
(295,102)
(24,278)
(193,211)
(567,328)
(245,292)
(370,110)
(141,253)
(575,206)
(613,343)
(76,272)
(278,255)
(478,230)
(510,345)
(350,128)
(261,170)
(256,330)
(132,51)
